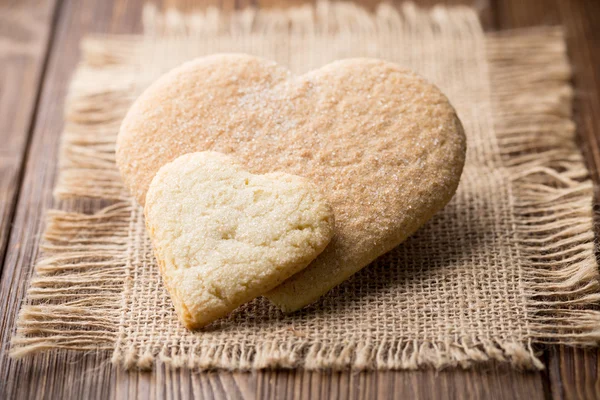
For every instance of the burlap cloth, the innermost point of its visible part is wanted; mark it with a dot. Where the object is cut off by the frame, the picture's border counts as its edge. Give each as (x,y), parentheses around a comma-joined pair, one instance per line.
(508,264)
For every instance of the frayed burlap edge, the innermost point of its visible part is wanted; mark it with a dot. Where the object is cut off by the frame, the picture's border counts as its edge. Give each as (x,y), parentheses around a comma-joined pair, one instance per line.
(551,191)
(75,298)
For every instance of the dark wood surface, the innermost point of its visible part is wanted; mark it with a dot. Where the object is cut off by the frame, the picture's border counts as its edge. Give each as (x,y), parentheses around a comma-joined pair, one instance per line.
(38,51)
(26,28)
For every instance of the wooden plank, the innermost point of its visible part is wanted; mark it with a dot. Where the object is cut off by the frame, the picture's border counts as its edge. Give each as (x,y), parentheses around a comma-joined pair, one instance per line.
(480,383)
(25,32)
(573,373)
(484,7)
(581,19)
(52,375)
(60,375)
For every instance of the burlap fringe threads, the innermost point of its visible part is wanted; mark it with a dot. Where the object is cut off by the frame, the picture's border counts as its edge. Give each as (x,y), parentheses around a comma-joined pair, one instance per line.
(552,191)
(75,297)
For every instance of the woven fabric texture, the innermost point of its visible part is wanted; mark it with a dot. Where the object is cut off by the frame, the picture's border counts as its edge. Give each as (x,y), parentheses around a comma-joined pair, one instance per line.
(508,264)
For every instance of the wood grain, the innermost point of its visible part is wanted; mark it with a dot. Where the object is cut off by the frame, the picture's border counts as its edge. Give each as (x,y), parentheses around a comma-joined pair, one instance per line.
(58,374)
(25,33)
(90,376)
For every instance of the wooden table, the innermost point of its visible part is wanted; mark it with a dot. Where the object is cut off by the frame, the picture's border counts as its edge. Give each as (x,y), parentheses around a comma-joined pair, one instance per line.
(39,42)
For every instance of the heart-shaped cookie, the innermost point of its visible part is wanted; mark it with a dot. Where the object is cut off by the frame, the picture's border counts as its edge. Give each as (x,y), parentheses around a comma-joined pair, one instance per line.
(223,236)
(384,146)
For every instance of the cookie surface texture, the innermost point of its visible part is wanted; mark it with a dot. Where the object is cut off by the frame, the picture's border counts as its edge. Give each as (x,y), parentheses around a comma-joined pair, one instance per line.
(384,146)
(223,236)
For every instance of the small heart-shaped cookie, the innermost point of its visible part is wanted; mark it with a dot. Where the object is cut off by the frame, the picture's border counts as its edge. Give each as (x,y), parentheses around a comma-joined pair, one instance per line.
(223,236)
(382,144)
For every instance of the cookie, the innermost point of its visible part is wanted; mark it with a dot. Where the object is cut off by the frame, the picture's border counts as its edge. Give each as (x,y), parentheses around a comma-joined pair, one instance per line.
(223,236)
(384,146)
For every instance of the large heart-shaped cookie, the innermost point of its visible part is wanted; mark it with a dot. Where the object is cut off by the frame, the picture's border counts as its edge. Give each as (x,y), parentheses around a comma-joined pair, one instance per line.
(223,236)
(384,146)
